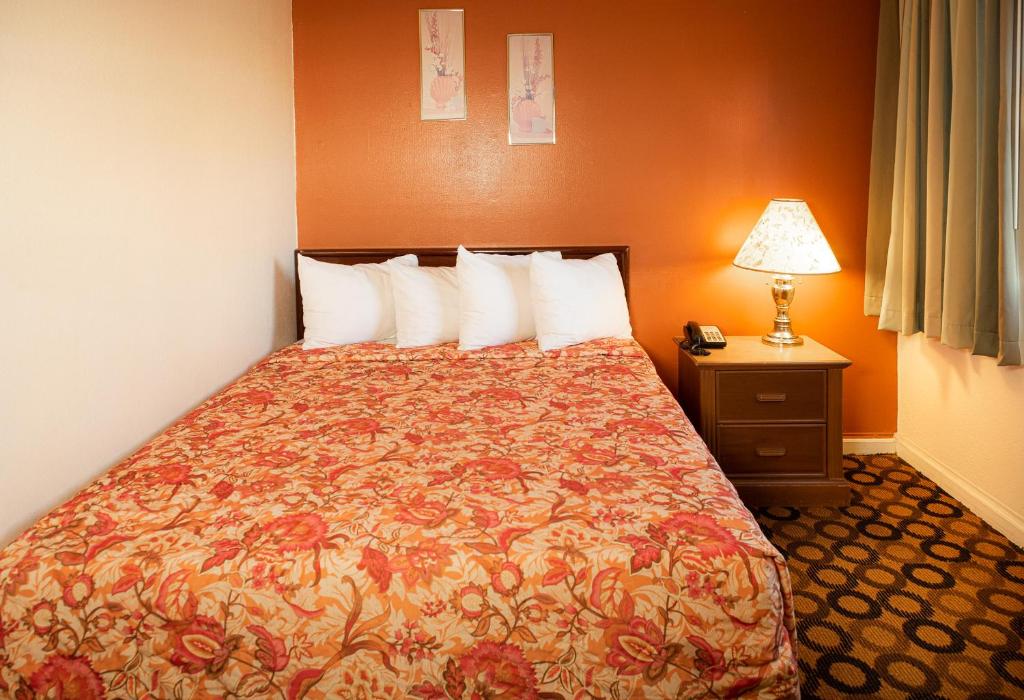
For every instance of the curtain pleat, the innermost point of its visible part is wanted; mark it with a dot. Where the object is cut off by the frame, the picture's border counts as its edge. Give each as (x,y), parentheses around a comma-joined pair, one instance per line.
(1011,248)
(945,185)
(937,184)
(899,307)
(986,275)
(883,149)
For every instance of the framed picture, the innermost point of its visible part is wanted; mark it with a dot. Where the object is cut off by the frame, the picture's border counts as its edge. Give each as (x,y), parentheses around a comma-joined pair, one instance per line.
(442,65)
(531,88)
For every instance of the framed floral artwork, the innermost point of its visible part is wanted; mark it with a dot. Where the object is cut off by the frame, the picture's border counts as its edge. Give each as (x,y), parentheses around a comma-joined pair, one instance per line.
(531,88)
(442,65)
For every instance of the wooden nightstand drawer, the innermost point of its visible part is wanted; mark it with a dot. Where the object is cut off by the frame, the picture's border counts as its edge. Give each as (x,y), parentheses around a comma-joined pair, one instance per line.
(771,416)
(772,450)
(771,395)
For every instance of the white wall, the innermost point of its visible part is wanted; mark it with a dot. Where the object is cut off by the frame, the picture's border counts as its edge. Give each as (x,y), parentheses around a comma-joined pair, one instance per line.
(961,423)
(147,219)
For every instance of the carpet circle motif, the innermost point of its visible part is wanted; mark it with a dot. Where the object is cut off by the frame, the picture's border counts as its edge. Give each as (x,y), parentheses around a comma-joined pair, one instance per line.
(902,593)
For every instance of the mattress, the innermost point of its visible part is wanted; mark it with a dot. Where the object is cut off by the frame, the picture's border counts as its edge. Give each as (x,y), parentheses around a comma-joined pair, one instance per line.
(370,522)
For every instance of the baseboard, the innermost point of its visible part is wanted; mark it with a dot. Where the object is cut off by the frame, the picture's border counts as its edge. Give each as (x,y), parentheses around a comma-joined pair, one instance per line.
(854,445)
(983,504)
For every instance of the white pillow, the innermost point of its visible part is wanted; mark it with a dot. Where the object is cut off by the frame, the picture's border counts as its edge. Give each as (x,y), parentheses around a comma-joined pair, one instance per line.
(426,305)
(577,300)
(494,298)
(344,304)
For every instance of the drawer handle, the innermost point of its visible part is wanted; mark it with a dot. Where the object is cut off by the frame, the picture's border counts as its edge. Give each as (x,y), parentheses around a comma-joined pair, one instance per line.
(771,398)
(770,451)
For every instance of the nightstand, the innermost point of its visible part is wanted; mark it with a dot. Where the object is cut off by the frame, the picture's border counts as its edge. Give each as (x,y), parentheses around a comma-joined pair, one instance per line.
(771,416)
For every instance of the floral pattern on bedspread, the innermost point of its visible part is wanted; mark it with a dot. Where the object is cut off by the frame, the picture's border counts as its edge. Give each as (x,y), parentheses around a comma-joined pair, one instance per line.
(372,522)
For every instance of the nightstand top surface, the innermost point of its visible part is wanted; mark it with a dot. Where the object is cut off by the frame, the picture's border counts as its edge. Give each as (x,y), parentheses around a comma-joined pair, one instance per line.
(749,350)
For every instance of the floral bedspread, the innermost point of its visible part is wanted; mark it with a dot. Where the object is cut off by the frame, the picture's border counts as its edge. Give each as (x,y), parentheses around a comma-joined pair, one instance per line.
(368,522)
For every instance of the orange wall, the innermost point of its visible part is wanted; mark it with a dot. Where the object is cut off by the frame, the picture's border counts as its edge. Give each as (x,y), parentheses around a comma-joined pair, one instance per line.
(677,122)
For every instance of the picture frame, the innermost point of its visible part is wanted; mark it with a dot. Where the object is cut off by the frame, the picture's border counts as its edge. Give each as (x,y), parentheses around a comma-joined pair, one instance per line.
(442,65)
(531,89)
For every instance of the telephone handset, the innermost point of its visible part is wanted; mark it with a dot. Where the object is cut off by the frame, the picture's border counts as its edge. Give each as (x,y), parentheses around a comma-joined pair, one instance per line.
(700,337)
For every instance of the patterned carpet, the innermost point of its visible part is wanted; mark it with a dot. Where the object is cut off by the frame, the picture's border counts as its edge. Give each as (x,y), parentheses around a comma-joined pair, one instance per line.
(904,593)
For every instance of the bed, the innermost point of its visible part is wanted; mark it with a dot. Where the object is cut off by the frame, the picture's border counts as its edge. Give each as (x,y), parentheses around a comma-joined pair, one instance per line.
(369,522)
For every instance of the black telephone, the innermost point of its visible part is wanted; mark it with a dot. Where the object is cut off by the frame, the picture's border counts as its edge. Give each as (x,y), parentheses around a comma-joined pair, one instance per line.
(699,338)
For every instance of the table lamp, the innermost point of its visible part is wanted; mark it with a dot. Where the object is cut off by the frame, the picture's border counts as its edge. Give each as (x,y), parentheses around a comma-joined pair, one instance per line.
(786,241)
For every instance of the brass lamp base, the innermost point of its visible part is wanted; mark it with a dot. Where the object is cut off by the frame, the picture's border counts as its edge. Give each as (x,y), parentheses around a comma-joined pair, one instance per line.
(773,339)
(783,292)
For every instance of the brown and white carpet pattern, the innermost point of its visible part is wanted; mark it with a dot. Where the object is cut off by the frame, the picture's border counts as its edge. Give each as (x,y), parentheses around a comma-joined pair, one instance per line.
(904,593)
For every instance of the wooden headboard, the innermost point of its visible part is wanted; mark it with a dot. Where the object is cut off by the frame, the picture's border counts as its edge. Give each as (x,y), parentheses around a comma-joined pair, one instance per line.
(441,257)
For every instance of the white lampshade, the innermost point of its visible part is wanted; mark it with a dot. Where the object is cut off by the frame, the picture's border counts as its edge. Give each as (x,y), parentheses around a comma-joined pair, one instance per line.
(787,241)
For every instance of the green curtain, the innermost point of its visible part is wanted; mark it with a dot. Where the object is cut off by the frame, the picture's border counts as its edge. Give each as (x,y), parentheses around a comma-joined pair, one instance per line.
(945,251)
